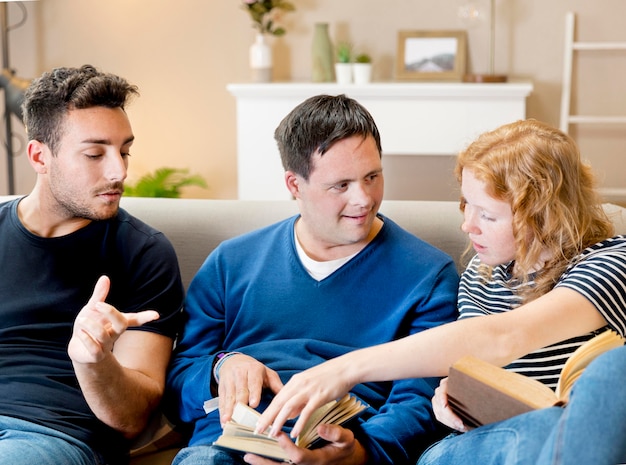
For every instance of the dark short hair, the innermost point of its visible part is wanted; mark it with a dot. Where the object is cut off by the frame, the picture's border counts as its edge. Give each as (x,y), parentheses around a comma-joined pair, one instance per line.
(316,124)
(48,99)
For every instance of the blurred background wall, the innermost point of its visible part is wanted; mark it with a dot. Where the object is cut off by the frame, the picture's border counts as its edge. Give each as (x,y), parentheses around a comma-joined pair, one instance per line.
(183,53)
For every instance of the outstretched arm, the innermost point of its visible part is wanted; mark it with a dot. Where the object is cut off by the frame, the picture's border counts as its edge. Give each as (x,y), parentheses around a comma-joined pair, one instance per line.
(500,338)
(312,388)
(121,373)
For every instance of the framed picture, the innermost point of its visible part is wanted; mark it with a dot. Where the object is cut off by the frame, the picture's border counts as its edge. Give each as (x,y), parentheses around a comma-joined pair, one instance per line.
(431,55)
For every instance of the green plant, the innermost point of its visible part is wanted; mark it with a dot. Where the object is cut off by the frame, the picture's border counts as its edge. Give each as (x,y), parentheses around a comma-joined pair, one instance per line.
(344,52)
(164,182)
(363,58)
(265,12)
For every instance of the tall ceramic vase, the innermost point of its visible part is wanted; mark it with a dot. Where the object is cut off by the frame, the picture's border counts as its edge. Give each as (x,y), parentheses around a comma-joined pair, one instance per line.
(261,59)
(323,64)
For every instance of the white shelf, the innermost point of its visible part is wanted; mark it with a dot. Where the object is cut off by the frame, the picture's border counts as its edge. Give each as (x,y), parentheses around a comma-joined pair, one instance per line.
(414,118)
(448,90)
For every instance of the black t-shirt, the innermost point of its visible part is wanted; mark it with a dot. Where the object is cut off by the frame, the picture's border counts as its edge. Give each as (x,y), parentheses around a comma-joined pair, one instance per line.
(45,283)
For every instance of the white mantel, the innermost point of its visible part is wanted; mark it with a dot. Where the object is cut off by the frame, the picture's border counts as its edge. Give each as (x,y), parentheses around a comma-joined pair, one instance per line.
(414,118)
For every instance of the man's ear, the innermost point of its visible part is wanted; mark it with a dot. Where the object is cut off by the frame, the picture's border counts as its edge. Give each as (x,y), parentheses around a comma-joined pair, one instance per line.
(292,182)
(36,152)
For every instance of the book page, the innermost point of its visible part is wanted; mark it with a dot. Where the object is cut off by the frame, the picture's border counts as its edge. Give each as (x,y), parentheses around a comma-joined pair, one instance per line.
(314,420)
(238,433)
(259,445)
(582,357)
(334,412)
(245,415)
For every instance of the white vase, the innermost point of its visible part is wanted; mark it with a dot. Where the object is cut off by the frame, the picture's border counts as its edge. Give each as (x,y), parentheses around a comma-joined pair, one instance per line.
(362,72)
(261,59)
(343,73)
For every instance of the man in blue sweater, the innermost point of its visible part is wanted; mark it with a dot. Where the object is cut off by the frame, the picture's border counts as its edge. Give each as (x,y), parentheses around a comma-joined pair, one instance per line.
(336,277)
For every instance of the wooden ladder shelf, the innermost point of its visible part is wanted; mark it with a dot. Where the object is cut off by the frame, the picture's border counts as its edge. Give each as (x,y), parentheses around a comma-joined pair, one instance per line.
(571,45)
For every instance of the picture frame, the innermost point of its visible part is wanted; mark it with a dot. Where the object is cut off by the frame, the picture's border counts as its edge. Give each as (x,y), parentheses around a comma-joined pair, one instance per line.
(431,55)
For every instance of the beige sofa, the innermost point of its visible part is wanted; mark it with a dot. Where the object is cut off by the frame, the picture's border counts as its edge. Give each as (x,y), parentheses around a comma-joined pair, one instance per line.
(195,227)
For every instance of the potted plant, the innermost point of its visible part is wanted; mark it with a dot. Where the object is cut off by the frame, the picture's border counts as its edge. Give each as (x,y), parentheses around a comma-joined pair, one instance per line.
(264,15)
(343,66)
(362,68)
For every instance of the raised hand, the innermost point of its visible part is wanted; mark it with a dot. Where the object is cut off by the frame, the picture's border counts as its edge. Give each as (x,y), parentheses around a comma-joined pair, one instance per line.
(98,326)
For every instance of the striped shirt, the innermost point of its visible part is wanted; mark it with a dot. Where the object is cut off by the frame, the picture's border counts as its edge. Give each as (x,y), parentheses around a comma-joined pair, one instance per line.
(598,273)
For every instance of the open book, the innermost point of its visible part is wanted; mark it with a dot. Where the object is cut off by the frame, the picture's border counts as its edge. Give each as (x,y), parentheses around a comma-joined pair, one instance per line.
(481,393)
(238,434)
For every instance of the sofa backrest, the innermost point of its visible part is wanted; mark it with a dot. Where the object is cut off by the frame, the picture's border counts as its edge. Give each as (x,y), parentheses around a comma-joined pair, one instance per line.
(196,226)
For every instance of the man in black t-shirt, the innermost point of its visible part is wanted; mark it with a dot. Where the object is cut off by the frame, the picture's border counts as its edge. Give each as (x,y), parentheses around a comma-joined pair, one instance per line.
(91,296)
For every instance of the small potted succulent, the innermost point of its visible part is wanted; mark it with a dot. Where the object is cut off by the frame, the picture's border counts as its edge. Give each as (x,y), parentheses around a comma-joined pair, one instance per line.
(343,66)
(362,68)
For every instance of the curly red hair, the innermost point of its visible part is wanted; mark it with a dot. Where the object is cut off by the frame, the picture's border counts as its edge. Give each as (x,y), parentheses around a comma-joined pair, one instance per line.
(538,170)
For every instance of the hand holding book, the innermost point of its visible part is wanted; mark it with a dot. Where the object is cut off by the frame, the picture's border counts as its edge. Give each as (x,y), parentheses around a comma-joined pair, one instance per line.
(239,433)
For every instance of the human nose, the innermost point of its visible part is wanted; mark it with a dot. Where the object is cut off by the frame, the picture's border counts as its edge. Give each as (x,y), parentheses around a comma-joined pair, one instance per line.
(469,222)
(361,195)
(117,167)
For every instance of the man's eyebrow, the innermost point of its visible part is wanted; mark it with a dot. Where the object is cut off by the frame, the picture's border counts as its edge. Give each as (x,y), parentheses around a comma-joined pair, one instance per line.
(341,181)
(106,141)
(378,171)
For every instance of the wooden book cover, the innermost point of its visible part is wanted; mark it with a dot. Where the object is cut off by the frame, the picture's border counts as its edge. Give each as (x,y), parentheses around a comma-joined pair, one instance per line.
(481,393)
(238,434)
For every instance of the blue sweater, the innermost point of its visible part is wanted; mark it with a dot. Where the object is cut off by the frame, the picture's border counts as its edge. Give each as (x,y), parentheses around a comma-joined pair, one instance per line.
(253,295)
